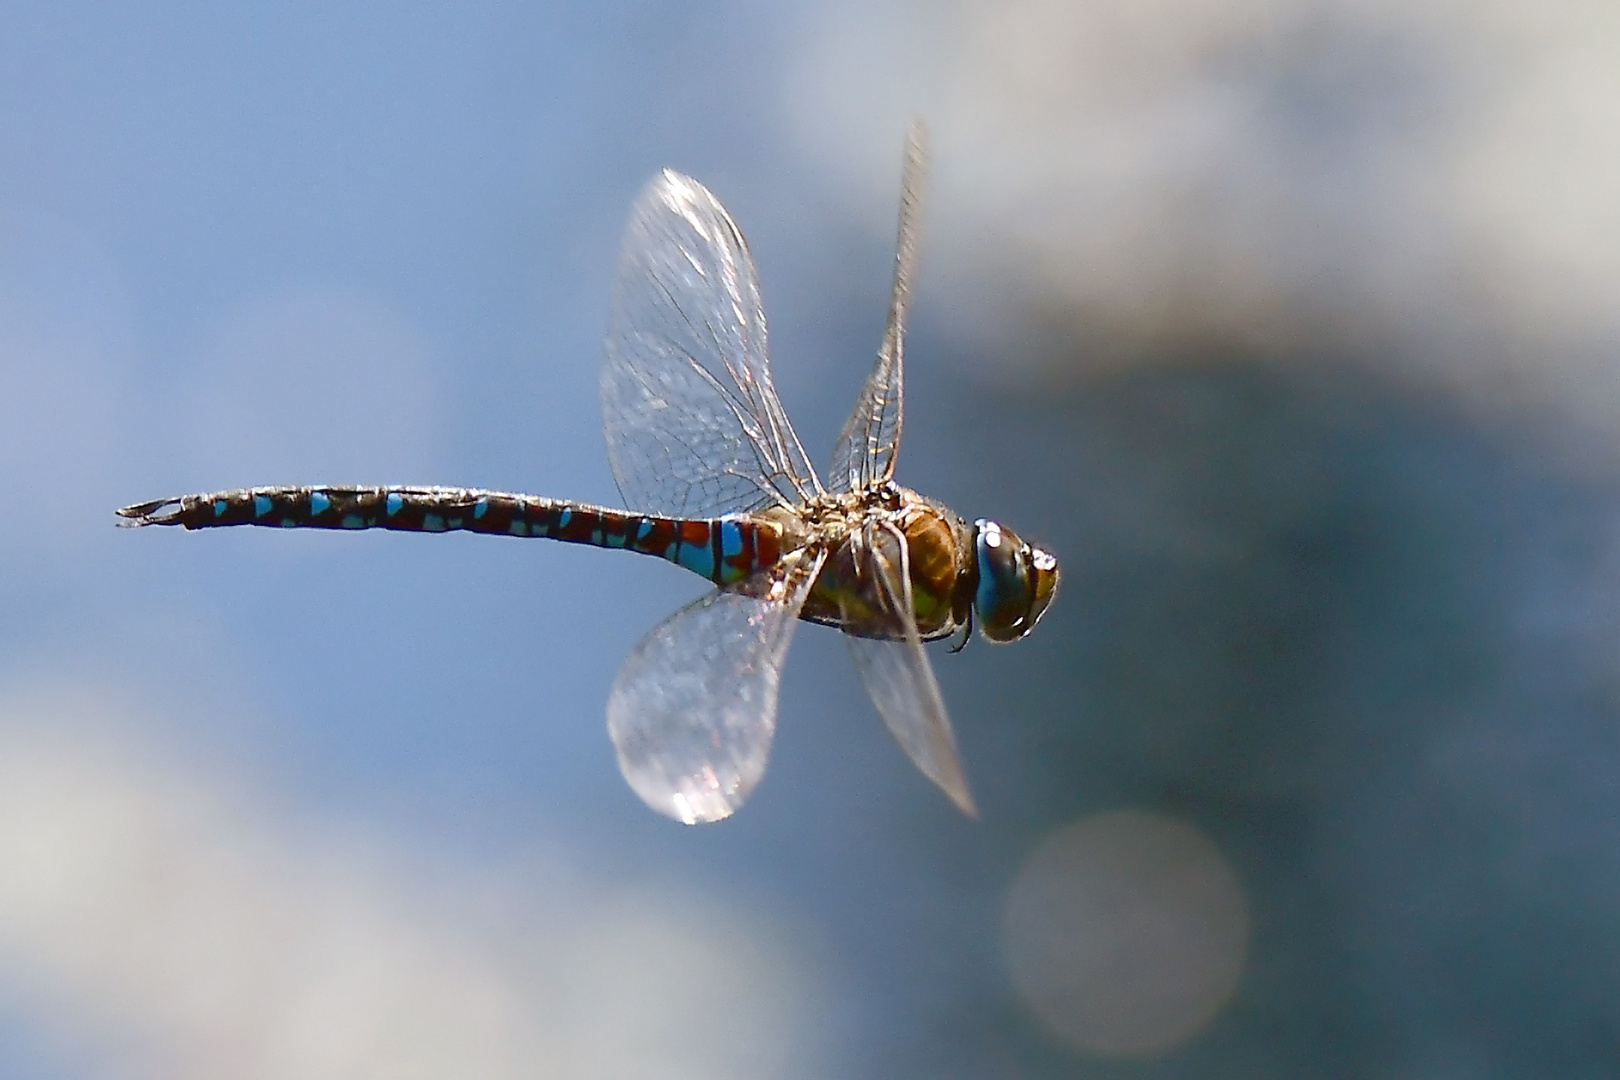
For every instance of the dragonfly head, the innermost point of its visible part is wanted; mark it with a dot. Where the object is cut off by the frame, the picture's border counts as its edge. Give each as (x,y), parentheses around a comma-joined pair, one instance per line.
(1016,581)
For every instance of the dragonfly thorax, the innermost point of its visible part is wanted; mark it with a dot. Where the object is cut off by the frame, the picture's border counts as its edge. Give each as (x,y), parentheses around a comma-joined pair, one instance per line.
(938,556)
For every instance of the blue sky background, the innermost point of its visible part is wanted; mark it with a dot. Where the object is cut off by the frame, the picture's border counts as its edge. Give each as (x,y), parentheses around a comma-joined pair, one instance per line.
(1290,326)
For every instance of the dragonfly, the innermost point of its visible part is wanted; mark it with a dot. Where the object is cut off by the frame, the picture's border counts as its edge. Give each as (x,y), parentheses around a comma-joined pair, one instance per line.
(702,449)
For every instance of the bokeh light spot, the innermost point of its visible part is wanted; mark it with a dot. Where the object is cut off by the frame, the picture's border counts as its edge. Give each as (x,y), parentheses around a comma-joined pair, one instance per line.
(1125,933)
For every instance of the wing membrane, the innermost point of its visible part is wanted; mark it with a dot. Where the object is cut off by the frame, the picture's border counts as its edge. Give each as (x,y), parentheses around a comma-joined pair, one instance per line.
(897,673)
(693,709)
(694,427)
(867,447)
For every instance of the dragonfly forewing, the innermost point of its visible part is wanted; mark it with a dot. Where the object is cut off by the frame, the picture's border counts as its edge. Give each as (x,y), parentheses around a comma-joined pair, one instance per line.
(693,710)
(867,447)
(694,427)
(897,673)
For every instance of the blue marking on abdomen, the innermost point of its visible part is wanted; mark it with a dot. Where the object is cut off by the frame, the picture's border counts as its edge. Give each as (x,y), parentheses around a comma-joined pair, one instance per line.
(520,527)
(698,558)
(395,502)
(644,528)
(731,540)
(318,502)
(564,516)
(219,507)
(261,505)
(480,508)
(353,521)
(432,523)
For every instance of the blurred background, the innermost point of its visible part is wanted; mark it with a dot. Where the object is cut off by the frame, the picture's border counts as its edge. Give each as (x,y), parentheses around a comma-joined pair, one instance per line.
(1290,325)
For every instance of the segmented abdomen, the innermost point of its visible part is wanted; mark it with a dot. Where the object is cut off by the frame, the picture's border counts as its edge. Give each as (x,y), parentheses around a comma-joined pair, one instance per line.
(725,550)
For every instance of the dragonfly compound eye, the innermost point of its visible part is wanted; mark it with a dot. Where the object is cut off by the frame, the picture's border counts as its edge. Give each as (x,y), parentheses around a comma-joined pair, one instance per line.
(1016,582)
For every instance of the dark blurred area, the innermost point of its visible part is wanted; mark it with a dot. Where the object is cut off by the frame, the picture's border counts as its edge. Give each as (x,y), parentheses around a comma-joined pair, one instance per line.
(1290,326)
(1350,637)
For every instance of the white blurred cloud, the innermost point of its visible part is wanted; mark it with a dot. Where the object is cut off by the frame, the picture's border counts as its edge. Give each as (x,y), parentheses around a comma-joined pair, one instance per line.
(178,928)
(1430,183)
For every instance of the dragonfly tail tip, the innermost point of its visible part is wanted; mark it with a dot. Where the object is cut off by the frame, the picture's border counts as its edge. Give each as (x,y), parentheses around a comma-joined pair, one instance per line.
(156,512)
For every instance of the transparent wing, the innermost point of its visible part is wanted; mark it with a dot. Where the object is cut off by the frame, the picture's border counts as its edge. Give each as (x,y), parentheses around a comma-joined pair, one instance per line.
(693,424)
(897,673)
(866,448)
(693,709)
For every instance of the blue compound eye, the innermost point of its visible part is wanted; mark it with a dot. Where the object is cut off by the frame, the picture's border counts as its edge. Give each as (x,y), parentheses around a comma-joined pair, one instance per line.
(1016,582)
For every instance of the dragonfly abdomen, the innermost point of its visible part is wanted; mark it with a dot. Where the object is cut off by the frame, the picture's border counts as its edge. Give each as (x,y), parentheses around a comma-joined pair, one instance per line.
(725,550)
